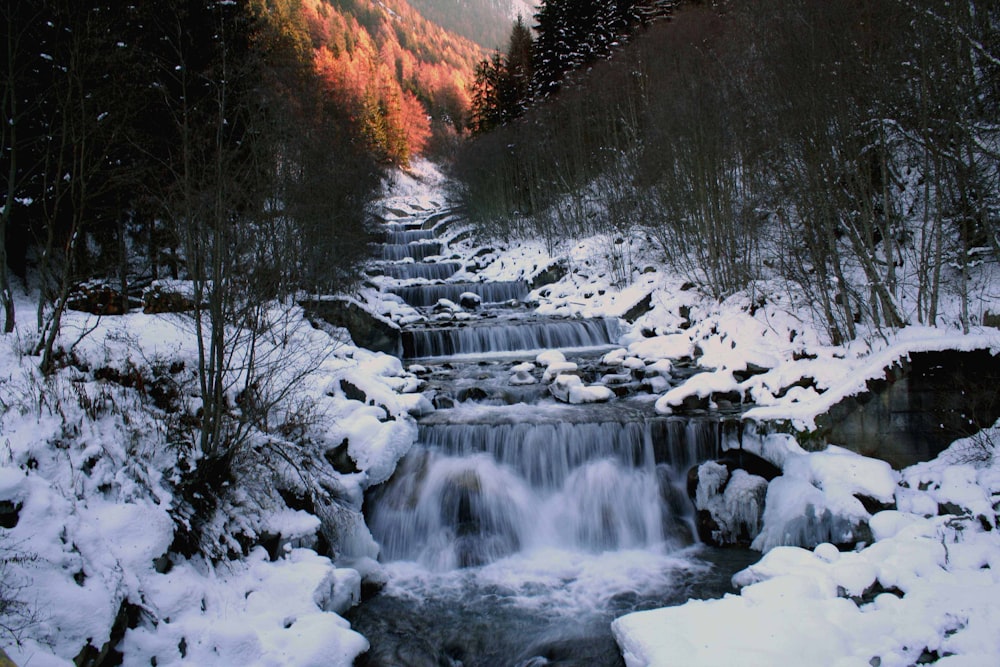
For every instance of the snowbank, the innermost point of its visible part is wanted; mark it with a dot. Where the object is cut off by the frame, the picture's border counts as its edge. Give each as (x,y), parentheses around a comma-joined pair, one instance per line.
(93,463)
(926,589)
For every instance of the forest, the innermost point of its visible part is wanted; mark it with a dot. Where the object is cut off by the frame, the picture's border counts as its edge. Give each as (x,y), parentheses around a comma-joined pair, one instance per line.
(205,140)
(850,148)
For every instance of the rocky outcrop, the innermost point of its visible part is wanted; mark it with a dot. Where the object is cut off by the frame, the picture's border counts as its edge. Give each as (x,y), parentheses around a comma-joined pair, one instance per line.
(366,329)
(918,408)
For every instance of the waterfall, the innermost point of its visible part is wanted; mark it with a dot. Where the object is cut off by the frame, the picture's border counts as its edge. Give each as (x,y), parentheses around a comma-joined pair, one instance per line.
(509,336)
(416,251)
(516,528)
(422,296)
(404,236)
(475,492)
(426,270)
(546,453)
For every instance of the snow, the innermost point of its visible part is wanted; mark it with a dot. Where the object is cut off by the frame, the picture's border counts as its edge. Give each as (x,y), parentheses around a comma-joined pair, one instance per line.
(251,612)
(570,389)
(927,583)
(87,462)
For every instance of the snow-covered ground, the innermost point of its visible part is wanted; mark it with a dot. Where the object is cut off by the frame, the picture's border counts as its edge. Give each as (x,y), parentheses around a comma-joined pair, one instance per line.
(92,469)
(926,589)
(88,462)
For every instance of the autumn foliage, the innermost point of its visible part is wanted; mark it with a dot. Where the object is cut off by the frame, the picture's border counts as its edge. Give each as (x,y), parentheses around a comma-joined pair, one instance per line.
(404,80)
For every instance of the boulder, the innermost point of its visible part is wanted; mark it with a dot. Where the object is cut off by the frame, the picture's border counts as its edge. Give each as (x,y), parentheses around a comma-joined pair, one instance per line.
(469,300)
(570,389)
(367,330)
(553,273)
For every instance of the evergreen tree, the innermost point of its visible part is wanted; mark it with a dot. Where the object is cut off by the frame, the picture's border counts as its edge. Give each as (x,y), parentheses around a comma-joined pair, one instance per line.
(502,90)
(573,33)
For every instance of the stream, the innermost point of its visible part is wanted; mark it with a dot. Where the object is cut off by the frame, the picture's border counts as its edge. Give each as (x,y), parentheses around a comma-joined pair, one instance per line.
(518,527)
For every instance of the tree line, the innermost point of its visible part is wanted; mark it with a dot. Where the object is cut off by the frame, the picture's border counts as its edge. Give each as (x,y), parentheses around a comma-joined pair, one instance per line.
(848,148)
(567,36)
(191,140)
(173,139)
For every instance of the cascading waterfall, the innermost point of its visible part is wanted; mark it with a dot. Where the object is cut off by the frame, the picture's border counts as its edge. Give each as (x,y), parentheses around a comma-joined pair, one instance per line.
(422,296)
(425,270)
(404,236)
(473,493)
(509,336)
(514,534)
(416,251)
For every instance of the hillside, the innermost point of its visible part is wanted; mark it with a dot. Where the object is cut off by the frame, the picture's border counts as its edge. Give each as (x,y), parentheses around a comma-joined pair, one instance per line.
(485,22)
(405,77)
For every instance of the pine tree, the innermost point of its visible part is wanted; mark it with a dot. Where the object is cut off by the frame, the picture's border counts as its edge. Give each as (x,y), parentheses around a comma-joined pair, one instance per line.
(573,33)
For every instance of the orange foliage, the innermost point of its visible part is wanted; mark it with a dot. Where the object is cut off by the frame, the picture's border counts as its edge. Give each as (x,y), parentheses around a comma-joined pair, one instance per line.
(393,90)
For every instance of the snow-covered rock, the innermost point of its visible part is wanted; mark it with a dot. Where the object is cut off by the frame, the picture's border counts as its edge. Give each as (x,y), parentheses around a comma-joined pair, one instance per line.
(570,389)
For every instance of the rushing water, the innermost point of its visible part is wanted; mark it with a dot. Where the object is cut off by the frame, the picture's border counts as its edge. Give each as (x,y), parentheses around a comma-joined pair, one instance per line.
(517,528)
(491,292)
(506,336)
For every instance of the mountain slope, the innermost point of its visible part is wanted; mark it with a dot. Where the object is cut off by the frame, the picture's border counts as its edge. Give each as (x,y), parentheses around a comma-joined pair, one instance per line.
(485,22)
(403,76)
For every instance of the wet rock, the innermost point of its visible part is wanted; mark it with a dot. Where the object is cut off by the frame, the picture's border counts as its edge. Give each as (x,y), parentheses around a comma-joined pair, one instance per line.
(472,394)
(469,300)
(443,402)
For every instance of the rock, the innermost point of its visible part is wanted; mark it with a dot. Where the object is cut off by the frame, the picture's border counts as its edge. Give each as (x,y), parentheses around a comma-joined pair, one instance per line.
(443,402)
(446,306)
(549,357)
(367,330)
(685,315)
(472,394)
(522,378)
(643,306)
(558,368)
(739,459)
(352,392)
(341,460)
(469,300)
(551,274)
(614,357)
(656,384)
(570,389)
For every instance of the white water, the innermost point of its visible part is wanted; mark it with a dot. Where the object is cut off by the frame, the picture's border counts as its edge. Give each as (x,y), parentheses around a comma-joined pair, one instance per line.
(402,236)
(422,296)
(416,251)
(509,336)
(514,534)
(425,270)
